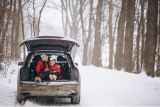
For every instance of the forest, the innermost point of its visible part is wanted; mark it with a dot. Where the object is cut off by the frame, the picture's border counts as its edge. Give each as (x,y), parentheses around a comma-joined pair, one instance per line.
(129,29)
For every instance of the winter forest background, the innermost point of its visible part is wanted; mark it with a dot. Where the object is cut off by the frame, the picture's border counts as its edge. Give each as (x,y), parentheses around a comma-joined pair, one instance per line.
(116,34)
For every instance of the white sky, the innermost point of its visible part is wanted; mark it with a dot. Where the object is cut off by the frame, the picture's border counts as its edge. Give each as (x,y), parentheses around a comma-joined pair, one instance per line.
(51,21)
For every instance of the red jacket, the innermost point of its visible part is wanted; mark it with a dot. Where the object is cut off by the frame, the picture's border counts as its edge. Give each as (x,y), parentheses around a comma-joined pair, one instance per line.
(55,68)
(39,66)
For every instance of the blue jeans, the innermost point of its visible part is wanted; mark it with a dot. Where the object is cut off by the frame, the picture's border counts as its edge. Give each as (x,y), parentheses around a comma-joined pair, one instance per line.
(44,75)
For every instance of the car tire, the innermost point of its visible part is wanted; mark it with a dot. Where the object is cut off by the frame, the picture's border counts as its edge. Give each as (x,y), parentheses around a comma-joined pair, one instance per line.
(75,100)
(21,99)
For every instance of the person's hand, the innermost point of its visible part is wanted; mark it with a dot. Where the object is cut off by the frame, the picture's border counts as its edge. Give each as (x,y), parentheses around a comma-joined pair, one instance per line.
(52,72)
(46,69)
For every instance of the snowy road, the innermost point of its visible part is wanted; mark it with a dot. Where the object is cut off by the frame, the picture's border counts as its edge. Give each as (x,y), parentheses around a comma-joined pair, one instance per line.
(99,87)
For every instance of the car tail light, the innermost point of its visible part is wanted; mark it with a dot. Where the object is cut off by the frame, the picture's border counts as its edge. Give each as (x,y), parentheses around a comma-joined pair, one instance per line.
(25,85)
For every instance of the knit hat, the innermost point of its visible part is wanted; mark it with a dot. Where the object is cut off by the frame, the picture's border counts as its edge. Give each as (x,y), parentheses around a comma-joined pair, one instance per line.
(44,57)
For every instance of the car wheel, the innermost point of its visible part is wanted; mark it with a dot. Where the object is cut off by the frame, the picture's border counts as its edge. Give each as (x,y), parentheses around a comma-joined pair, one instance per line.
(21,99)
(75,100)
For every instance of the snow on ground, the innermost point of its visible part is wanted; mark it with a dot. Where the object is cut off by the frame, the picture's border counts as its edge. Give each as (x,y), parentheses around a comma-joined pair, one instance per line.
(108,87)
(8,83)
(99,87)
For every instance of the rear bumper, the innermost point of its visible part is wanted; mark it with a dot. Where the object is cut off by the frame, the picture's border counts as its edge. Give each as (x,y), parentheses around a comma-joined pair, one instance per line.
(58,89)
(50,93)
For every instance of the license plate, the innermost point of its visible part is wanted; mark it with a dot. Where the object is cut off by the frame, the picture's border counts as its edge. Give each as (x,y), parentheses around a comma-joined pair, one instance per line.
(42,88)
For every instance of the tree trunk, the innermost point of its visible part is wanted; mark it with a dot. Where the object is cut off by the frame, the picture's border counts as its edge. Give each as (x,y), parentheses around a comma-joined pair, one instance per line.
(86,55)
(142,31)
(158,62)
(63,18)
(1,30)
(151,37)
(110,36)
(4,33)
(137,49)
(8,20)
(74,10)
(85,48)
(2,37)
(128,48)
(138,36)
(142,34)
(2,14)
(120,37)
(82,21)
(71,24)
(23,34)
(30,23)
(13,31)
(89,56)
(34,19)
(17,33)
(96,59)
(114,33)
(39,19)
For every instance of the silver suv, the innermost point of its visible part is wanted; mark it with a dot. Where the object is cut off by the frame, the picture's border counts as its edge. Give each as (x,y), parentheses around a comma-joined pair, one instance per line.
(59,47)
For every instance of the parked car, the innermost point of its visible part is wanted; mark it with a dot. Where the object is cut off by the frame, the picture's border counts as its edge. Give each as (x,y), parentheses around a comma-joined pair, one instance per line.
(59,47)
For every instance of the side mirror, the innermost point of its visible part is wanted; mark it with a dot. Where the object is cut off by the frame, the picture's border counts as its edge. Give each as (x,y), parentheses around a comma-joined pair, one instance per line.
(76,64)
(20,63)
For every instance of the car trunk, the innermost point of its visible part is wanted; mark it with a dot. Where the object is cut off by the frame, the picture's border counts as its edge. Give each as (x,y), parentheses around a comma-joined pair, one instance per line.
(28,73)
(47,43)
(68,71)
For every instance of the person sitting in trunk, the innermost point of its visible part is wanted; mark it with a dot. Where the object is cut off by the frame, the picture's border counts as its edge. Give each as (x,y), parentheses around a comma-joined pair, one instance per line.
(42,68)
(54,70)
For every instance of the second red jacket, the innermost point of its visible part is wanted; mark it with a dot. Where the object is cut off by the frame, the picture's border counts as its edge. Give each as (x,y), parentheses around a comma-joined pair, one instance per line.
(55,68)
